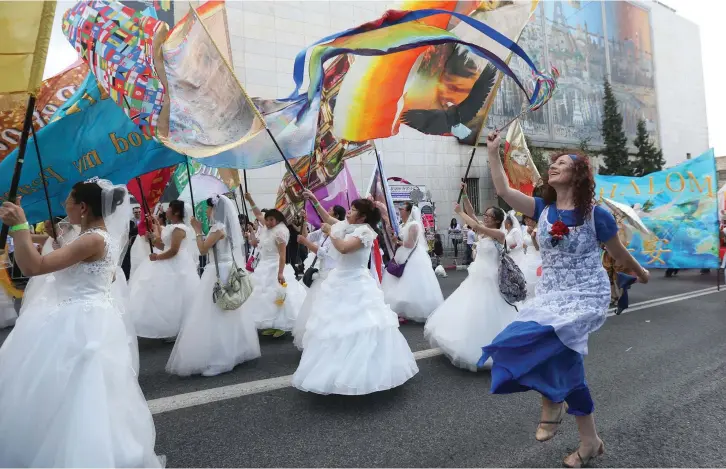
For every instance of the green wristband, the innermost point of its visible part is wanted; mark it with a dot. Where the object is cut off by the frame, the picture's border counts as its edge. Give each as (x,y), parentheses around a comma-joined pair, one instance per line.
(20,227)
(464,196)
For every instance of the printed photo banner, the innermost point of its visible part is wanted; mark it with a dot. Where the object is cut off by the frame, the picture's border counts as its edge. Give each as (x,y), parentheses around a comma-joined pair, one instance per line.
(118,150)
(679,206)
(518,165)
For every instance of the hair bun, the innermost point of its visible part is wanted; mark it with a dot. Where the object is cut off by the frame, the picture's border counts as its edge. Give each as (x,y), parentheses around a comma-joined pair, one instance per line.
(117,197)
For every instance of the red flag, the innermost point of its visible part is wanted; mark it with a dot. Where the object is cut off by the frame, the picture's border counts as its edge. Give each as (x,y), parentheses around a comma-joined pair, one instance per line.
(377,260)
(152,185)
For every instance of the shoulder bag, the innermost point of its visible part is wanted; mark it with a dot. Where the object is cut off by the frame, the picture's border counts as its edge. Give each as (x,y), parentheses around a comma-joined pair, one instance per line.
(512,284)
(238,288)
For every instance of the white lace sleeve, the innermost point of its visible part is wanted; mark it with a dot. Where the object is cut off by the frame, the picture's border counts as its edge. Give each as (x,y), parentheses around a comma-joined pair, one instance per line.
(217,227)
(282,234)
(366,234)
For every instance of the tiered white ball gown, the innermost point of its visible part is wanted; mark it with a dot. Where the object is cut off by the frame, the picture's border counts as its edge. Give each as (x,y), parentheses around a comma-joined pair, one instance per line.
(417,293)
(532,269)
(264,303)
(140,252)
(161,291)
(515,238)
(41,291)
(352,344)
(69,396)
(474,314)
(325,263)
(213,341)
(8,316)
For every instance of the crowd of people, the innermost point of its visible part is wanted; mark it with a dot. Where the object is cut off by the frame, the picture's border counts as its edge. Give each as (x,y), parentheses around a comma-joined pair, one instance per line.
(69,393)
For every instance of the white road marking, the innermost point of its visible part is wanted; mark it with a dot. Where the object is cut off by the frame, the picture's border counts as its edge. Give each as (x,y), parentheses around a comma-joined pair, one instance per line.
(207,396)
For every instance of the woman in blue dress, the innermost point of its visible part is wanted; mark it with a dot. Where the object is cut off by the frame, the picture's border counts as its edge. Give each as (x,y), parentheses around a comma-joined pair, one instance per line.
(543,348)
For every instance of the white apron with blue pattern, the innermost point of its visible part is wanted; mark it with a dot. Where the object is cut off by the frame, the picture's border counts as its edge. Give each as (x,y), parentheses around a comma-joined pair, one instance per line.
(574,292)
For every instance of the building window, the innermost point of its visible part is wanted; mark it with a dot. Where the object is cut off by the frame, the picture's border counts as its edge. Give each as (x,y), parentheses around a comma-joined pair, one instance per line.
(472,191)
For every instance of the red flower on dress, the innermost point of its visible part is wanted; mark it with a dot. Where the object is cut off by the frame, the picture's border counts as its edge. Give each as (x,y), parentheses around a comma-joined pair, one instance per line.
(558,232)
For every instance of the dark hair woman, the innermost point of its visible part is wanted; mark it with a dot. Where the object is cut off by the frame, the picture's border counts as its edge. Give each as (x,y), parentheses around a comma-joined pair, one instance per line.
(161,290)
(416,293)
(370,352)
(78,339)
(552,329)
(455,235)
(461,325)
(277,298)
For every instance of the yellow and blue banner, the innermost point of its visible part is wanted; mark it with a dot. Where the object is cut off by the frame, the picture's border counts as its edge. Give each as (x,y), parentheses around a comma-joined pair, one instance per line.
(89,136)
(679,206)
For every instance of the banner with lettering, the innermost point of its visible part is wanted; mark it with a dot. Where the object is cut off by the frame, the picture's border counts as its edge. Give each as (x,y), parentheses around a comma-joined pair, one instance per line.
(679,206)
(89,136)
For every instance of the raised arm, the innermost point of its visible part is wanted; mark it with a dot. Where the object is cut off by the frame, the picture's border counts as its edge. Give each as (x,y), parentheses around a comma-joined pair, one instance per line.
(468,208)
(478,227)
(86,248)
(622,256)
(324,216)
(256,211)
(204,245)
(517,200)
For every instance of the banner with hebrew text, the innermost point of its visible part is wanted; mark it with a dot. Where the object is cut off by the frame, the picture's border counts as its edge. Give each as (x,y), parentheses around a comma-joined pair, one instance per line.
(679,206)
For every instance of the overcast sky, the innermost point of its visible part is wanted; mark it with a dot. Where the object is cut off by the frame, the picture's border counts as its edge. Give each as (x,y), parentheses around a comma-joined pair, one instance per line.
(709,15)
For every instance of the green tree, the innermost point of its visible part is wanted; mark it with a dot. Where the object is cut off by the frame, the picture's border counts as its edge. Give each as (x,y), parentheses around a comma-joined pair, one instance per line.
(649,158)
(616,150)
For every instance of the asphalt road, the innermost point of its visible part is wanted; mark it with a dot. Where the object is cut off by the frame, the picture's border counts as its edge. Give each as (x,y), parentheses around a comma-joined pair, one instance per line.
(657,374)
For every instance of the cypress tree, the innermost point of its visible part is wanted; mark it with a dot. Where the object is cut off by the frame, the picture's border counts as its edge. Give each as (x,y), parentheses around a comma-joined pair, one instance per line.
(616,150)
(649,159)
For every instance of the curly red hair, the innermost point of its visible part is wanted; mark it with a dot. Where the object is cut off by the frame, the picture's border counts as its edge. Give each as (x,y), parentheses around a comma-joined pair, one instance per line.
(583,182)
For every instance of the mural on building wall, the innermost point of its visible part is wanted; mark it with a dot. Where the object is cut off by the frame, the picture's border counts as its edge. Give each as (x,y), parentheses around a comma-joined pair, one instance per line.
(631,65)
(576,38)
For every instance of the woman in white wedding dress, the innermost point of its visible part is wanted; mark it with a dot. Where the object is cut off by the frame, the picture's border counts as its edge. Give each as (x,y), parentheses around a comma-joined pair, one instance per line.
(416,293)
(514,238)
(277,297)
(318,243)
(352,344)
(68,394)
(532,268)
(476,312)
(212,340)
(162,290)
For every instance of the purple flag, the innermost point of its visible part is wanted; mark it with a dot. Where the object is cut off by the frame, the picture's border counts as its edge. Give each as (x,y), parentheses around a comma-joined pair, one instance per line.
(341,191)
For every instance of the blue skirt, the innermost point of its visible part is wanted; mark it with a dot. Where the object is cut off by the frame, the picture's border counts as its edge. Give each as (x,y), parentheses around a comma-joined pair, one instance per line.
(529,356)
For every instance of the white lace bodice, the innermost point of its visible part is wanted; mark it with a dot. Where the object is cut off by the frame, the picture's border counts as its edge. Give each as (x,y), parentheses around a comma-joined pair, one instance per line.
(357,259)
(221,248)
(185,248)
(88,280)
(269,239)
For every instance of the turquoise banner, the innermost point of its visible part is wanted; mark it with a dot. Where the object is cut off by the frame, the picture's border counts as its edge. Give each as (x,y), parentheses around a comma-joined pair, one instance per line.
(89,136)
(679,206)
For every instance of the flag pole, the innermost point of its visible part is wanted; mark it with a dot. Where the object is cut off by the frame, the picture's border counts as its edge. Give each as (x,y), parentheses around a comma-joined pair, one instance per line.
(287,162)
(45,183)
(466,175)
(189,177)
(13,192)
(147,209)
(247,213)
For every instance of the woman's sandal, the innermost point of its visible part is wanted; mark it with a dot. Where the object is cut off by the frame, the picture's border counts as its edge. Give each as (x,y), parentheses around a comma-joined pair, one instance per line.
(556,423)
(584,462)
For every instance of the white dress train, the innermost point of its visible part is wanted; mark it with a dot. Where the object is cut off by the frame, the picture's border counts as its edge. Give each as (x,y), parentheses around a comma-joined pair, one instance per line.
(474,314)
(352,344)
(161,291)
(325,263)
(69,396)
(417,293)
(532,268)
(8,316)
(272,305)
(213,341)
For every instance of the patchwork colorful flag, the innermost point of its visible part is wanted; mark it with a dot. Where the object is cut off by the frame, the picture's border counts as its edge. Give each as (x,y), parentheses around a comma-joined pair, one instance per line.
(518,164)
(53,93)
(155,78)
(117,42)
